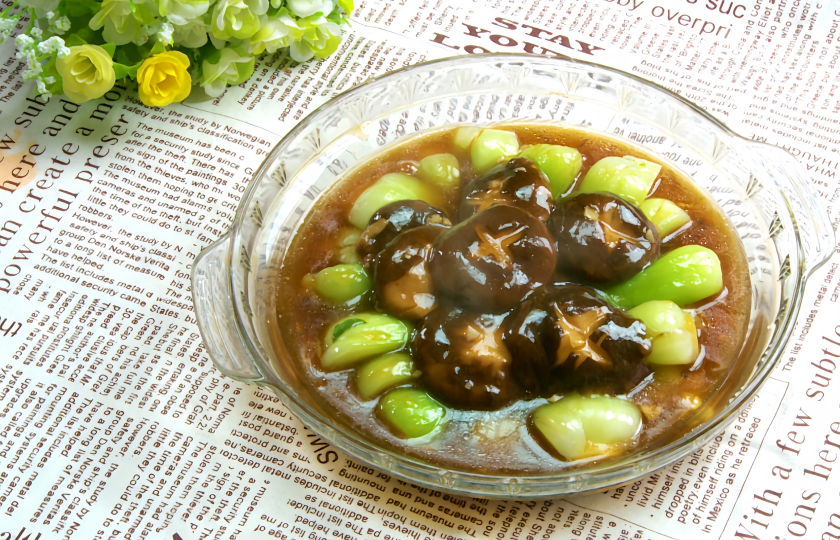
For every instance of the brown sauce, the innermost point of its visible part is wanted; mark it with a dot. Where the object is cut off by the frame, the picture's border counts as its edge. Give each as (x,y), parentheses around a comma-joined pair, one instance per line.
(499,441)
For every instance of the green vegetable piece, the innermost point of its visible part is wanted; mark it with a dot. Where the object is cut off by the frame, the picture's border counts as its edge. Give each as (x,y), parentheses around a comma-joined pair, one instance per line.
(308,281)
(440,169)
(683,276)
(464,137)
(491,147)
(679,347)
(347,239)
(342,282)
(350,237)
(573,422)
(411,412)
(659,316)
(391,187)
(560,164)
(344,326)
(628,177)
(666,216)
(376,335)
(562,428)
(349,255)
(380,374)
(671,330)
(609,420)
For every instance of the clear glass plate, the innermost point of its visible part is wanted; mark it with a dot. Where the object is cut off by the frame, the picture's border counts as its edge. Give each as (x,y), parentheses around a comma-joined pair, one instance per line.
(785,232)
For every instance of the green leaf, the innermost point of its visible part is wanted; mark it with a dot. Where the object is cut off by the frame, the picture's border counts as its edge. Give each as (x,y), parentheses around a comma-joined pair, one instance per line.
(49,68)
(74,41)
(212,55)
(57,87)
(76,8)
(336,15)
(158,48)
(342,327)
(86,35)
(109,48)
(129,54)
(122,70)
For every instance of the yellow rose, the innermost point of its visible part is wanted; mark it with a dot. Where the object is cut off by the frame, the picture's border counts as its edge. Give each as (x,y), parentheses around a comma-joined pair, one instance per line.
(86,73)
(163,79)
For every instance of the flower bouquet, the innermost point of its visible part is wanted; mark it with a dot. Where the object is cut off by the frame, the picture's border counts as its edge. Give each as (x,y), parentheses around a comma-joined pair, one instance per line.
(80,48)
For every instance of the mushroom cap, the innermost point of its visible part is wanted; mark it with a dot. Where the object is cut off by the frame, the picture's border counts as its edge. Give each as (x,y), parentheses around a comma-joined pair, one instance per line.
(519,183)
(401,275)
(463,359)
(391,220)
(603,237)
(491,261)
(567,336)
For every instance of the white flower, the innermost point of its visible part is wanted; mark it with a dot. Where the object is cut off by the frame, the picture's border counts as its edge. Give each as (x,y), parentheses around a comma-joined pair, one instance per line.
(275,33)
(36,33)
(41,7)
(41,83)
(123,19)
(23,42)
(227,67)
(179,12)
(42,87)
(239,19)
(59,25)
(145,31)
(7,26)
(305,8)
(192,35)
(26,51)
(164,34)
(218,43)
(320,38)
(53,45)
(34,67)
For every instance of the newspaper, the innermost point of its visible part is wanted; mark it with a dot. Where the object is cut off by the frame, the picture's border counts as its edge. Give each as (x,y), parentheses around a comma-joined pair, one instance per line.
(114,422)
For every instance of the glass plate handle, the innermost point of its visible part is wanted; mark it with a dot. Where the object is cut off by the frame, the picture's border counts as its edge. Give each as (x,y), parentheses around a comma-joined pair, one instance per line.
(816,232)
(215,315)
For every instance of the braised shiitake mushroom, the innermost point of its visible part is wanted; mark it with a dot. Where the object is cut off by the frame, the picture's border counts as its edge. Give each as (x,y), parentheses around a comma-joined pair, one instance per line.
(568,336)
(603,237)
(401,277)
(463,359)
(391,220)
(492,260)
(519,183)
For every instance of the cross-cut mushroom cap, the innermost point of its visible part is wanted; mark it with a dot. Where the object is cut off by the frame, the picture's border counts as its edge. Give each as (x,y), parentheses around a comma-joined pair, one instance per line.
(493,260)
(603,237)
(518,182)
(567,336)
(391,220)
(403,284)
(463,359)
